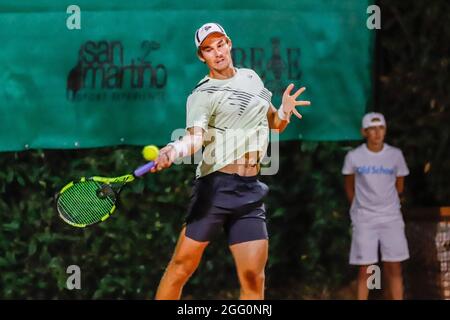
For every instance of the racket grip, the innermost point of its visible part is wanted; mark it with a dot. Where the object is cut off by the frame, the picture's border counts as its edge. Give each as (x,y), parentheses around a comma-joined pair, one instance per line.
(139,172)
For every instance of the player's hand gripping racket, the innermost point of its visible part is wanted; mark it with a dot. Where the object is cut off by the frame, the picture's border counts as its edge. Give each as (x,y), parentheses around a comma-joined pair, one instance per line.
(88,201)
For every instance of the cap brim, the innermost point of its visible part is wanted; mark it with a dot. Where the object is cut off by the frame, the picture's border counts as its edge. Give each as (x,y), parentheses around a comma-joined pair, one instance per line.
(375,124)
(215,32)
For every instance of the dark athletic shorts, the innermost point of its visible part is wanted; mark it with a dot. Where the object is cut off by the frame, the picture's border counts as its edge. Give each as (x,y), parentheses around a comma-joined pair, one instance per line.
(229,201)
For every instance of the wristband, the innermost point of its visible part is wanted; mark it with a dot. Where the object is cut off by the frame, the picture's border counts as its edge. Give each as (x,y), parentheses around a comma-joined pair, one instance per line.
(181,149)
(282,114)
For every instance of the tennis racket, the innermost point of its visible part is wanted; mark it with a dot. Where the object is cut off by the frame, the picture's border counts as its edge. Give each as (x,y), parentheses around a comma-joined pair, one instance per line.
(88,201)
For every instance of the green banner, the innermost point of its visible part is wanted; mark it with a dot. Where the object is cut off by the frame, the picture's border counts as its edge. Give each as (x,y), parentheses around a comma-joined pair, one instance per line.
(124,77)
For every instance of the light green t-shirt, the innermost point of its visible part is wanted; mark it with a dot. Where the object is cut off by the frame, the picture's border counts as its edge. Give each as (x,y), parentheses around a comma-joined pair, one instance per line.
(233,113)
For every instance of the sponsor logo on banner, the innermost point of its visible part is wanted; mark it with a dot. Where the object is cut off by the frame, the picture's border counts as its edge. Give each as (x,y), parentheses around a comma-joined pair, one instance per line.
(273,64)
(103,72)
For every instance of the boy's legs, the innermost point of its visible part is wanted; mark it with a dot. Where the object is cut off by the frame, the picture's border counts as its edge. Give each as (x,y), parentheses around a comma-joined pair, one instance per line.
(393,274)
(184,262)
(362,289)
(363,253)
(394,250)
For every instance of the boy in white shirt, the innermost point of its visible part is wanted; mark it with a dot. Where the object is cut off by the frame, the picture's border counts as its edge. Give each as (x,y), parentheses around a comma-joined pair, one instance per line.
(374,178)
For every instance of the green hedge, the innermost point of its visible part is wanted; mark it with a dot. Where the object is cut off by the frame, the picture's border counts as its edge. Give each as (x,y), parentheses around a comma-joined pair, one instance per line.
(125,256)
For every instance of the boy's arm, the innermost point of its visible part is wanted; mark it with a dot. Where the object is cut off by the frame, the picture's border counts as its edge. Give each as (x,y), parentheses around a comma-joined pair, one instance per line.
(349,185)
(400,185)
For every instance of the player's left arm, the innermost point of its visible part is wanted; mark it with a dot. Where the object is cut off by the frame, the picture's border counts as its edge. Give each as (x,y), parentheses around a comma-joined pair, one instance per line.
(279,119)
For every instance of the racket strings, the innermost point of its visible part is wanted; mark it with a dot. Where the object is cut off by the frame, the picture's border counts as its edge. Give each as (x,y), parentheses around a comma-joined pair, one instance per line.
(94,206)
(75,206)
(78,209)
(81,204)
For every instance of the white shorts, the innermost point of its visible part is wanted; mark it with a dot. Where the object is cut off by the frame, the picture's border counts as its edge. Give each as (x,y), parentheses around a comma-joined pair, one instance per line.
(389,237)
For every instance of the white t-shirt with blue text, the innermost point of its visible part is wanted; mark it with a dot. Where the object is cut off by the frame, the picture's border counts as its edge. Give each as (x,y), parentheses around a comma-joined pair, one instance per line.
(376,197)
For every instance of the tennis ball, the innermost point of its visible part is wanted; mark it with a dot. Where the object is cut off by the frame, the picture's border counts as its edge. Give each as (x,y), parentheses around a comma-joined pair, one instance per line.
(150,153)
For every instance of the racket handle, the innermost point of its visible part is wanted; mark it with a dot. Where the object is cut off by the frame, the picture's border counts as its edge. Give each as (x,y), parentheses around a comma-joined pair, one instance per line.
(139,172)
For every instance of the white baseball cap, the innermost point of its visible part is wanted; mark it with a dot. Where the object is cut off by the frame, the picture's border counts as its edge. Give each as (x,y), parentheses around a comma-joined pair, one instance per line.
(205,30)
(373,119)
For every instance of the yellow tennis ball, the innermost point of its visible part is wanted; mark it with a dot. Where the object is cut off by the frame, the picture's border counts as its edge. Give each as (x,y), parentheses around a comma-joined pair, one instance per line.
(150,153)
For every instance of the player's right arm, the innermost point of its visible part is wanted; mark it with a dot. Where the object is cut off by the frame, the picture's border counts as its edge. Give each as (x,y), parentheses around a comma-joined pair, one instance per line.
(349,186)
(198,113)
(186,146)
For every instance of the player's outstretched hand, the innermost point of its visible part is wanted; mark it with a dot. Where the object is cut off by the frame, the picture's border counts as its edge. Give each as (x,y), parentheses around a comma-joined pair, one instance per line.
(165,159)
(289,101)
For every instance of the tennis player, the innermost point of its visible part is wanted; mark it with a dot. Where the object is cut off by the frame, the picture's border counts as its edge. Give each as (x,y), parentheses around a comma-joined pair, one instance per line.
(374,178)
(230,113)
